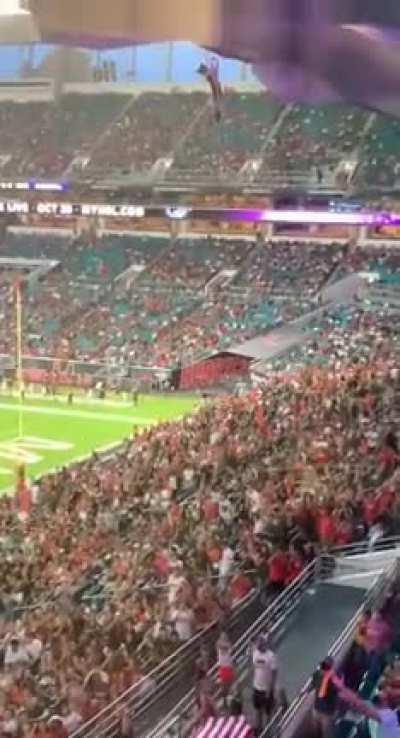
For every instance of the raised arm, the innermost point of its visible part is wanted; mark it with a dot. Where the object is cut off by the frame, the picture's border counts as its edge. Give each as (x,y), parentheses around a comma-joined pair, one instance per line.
(364,708)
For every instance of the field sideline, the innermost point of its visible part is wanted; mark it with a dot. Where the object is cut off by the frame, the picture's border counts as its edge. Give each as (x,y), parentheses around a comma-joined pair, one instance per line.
(46,433)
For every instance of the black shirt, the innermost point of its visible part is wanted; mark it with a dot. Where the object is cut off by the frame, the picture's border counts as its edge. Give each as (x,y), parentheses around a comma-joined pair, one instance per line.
(325,699)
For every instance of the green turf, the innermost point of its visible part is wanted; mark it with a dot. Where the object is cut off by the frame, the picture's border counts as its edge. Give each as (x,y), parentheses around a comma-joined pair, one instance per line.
(54,433)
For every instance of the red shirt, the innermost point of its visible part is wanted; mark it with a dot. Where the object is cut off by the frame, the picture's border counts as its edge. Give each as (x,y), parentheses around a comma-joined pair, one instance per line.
(387,457)
(326,528)
(213,554)
(295,567)
(210,510)
(240,587)
(161,565)
(277,567)
(384,500)
(344,533)
(370,511)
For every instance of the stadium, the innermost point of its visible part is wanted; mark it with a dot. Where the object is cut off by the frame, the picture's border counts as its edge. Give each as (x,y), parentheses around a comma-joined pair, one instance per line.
(199,377)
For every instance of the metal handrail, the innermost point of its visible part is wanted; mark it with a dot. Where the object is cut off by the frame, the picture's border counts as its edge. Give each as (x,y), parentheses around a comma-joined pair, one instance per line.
(138,697)
(276,728)
(364,546)
(269,621)
(105,722)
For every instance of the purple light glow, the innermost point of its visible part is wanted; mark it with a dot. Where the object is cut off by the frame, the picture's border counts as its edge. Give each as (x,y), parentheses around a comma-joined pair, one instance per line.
(307,216)
(302,216)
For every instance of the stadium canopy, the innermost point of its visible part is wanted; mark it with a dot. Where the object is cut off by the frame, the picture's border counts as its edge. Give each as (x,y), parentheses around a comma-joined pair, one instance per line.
(17,25)
(302,50)
(99,23)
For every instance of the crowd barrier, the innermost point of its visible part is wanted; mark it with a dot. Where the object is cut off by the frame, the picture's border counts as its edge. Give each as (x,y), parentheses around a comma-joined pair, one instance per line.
(144,697)
(54,370)
(153,689)
(386,543)
(175,722)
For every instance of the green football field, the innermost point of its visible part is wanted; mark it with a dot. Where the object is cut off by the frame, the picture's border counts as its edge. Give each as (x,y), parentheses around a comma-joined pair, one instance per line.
(46,433)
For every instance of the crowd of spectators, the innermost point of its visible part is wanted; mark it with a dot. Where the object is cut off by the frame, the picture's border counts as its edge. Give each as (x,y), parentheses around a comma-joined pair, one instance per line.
(118,133)
(51,134)
(151,301)
(188,298)
(246,484)
(99,134)
(378,156)
(334,333)
(314,140)
(120,560)
(289,267)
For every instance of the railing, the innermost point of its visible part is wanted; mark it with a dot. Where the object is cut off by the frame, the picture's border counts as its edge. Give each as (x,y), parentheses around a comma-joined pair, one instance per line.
(176,721)
(287,724)
(363,547)
(150,692)
(73,368)
(140,699)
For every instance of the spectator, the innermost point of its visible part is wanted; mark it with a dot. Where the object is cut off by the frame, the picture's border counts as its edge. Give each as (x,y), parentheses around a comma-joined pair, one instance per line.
(265,674)
(278,570)
(226,673)
(183,619)
(327,686)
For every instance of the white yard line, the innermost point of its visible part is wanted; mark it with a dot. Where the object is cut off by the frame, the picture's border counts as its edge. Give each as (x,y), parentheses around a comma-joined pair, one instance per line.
(62,399)
(83,415)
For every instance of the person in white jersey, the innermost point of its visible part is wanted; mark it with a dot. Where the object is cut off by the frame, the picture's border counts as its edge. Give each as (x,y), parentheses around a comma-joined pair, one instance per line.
(265,672)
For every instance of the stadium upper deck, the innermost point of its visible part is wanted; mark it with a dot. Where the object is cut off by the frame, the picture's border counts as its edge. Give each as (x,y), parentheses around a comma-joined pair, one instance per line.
(161,136)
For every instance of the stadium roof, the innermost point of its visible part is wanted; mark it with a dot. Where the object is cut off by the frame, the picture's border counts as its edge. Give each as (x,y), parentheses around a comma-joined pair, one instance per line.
(17,26)
(306,59)
(92,23)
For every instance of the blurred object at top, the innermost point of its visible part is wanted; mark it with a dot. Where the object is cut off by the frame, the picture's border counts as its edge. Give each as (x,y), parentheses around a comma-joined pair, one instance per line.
(307,50)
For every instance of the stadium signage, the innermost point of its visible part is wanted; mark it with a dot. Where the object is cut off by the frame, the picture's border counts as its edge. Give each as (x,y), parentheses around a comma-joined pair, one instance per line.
(54,208)
(34,186)
(113,211)
(18,207)
(177,213)
(126,211)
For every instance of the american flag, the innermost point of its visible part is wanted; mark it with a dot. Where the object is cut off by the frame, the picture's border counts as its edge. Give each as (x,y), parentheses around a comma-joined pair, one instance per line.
(226,727)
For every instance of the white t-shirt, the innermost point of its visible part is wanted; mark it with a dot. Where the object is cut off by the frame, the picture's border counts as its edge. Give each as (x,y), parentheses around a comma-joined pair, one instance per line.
(34,648)
(72,721)
(16,656)
(224,656)
(254,500)
(175,582)
(226,511)
(264,664)
(183,620)
(226,561)
(389,725)
(35,492)
(188,475)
